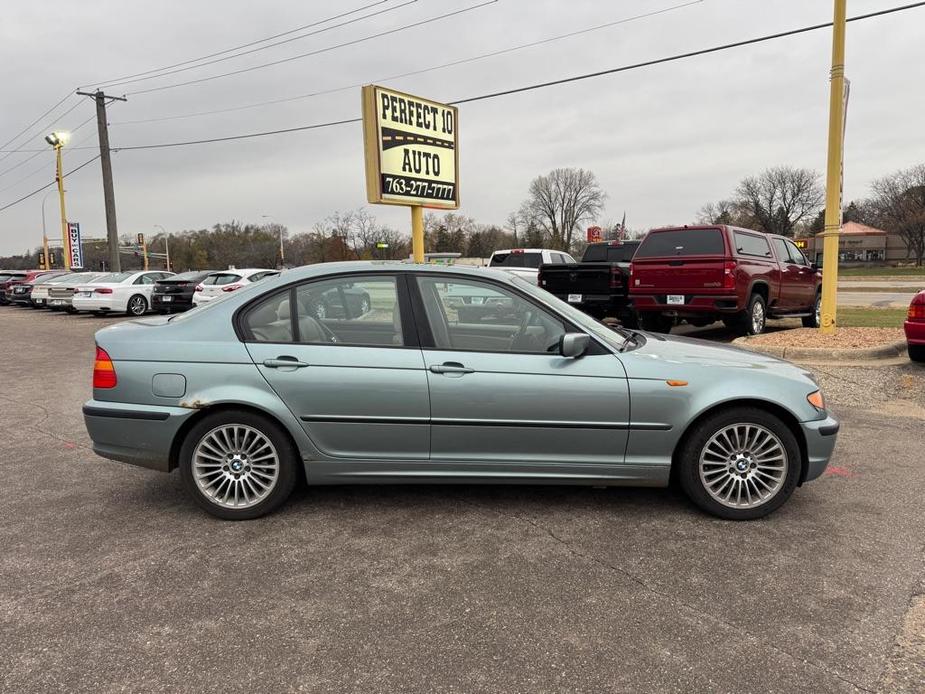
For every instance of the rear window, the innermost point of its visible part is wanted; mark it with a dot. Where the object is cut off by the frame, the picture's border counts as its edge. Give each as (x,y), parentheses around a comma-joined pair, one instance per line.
(682,242)
(224,278)
(184,276)
(604,252)
(114,277)
(749,244)
(516,260)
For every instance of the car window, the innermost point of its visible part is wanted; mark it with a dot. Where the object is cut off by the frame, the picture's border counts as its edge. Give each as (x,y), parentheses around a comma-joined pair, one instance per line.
(781,249)
(660,244)
(144,279)
(270,320)
(353,310)
(516,258)
(749,244)
(796,255)
(479,316)
(221,279)
(595,253)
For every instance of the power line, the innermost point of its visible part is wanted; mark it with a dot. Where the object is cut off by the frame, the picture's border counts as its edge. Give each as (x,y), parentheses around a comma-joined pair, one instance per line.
(28,127)
(49,125)
(260,48)
(243,45)
(454,63)
(542,85)
(317,51)
(48,185)
(37,152)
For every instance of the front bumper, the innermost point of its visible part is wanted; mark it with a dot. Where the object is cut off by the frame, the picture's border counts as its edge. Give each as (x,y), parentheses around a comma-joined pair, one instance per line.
(139,435)
(820,436)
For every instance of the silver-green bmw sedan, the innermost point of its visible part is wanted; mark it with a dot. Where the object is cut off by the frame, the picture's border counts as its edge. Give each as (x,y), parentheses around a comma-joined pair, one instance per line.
(445,374)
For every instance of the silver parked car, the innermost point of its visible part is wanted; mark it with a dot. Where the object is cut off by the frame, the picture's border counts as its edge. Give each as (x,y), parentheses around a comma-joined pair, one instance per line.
(245,393)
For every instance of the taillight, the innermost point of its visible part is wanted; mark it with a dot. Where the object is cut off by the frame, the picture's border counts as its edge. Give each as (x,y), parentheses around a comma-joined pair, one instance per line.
(104,373)
(616,277)
(102,290)
(198,288)
(729,274)
(231,287)
(917,308)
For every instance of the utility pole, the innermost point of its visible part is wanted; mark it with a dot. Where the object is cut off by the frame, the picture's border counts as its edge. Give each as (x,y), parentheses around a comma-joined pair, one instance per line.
(834,172)
(112,231)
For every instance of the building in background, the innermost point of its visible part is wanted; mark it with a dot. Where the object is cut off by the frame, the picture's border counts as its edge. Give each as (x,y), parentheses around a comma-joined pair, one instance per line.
(860,244)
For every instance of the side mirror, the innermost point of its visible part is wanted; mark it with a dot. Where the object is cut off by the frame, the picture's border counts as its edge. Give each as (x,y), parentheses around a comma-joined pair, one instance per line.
(573,345)
(816,266)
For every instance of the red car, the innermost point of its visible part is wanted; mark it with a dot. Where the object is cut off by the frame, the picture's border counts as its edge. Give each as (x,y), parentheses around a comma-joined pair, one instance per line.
(10,278)
(707,273)
(915,327)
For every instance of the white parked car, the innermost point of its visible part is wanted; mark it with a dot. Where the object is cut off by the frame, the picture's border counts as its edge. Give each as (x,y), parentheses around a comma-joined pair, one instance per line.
(525,262)
(220,283)
(118,292)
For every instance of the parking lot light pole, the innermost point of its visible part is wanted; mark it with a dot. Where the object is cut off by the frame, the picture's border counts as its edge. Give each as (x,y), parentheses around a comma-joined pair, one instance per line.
(57,141)
(166,244)
(834,173)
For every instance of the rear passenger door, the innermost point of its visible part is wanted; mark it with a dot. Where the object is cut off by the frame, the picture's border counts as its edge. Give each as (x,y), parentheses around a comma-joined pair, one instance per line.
(356,382)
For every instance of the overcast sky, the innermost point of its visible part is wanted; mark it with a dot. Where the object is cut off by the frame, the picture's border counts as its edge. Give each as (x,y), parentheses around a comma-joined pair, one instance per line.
(662,140)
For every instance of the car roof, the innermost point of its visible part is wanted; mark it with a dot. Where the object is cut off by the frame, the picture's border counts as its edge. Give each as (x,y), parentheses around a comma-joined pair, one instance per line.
(385,266)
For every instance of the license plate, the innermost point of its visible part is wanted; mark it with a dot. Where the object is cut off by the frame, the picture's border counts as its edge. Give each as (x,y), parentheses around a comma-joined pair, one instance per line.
(574,298)
(166,298)
(81,293)
(675,299)
(57,302)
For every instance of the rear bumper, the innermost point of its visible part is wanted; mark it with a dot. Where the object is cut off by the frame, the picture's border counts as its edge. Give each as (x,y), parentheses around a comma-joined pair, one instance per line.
(595,299)
(820,436)
(693,303)
(915,332)
(139,435)
(87,303)
(175,302)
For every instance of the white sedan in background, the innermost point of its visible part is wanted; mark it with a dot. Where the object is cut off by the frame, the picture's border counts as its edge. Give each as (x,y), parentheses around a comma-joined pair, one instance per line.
(119,292)
(220,283)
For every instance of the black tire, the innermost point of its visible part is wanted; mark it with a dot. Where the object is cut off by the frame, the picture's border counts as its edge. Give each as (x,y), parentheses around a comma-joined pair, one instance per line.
(688,461)
(814,319)
(137,305)
(916,352)
(754,319)
(655,322)
(286,454)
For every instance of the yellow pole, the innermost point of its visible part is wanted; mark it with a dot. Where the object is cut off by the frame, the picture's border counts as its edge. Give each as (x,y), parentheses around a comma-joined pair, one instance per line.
(833,181)
(66,246)
(46,264)
(417,233)
(144,250)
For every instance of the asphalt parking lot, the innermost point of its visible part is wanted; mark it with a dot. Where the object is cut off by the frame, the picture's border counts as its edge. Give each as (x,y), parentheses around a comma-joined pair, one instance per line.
(112,580)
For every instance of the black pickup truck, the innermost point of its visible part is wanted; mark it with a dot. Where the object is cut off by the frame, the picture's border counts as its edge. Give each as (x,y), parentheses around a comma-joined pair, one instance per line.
(599,284)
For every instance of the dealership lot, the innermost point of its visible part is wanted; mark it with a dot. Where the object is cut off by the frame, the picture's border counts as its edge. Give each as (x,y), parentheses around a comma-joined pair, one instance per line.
(112,579)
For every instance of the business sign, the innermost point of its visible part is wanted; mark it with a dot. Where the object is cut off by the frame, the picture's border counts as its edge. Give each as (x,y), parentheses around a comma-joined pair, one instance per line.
(800,243)
(412,149)
(595,234)
(74,249)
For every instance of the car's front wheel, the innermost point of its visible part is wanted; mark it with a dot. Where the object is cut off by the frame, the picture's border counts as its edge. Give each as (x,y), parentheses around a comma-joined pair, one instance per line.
(238,465)
(739,464)
(814,319)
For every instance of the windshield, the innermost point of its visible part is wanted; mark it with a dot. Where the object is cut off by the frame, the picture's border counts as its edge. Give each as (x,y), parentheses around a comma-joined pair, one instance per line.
(221,278)
(515,259)
(573,314)
(660,244)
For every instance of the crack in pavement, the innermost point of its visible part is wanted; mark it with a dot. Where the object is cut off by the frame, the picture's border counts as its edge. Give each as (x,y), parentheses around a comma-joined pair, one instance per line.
(661,594)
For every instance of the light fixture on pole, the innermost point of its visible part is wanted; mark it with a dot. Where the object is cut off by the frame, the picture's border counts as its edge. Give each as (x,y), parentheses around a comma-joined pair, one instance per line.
(58,140)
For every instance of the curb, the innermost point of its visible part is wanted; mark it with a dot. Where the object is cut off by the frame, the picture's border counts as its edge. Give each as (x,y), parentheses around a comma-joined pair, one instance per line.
(895,349)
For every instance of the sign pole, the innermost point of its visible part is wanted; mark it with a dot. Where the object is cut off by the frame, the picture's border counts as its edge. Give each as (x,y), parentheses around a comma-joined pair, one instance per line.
(417,233)
(64,235)
(834,170)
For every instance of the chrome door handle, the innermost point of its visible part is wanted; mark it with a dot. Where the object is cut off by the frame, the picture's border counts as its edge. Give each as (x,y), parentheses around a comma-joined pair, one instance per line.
(450,367)
(284,363)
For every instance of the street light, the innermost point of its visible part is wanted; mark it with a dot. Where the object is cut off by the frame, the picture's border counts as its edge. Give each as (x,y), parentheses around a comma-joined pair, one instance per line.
(282,257)
(58,140)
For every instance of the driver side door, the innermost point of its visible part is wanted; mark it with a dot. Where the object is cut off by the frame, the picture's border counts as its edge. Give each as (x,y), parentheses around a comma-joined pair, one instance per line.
(502,398)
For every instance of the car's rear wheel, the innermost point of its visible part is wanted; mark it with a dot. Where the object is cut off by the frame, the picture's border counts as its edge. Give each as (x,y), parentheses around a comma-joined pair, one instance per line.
(814,320)
(739,464)
(916,352)
(137,305)
(753,320)
(238,465)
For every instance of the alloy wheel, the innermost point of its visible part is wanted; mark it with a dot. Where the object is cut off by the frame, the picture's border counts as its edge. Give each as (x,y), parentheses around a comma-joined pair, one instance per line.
(364,306)
(235,466)
(743,466)
(758,318)
(137,306)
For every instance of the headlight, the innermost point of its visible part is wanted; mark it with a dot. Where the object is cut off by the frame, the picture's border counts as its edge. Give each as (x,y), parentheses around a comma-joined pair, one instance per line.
(816,400)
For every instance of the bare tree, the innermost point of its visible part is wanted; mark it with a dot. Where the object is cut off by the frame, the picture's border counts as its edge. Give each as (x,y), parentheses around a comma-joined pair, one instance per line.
(563,199)
(899,206)
(720,212)
(778,199)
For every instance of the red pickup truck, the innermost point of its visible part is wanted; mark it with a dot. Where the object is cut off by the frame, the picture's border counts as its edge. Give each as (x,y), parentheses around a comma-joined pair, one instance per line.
(708,273)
